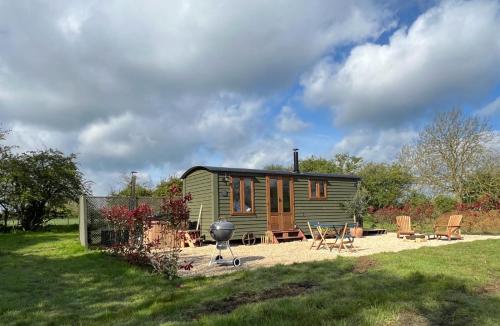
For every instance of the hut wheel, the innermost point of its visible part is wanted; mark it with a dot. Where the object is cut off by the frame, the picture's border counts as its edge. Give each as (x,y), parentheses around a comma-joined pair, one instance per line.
(248,239)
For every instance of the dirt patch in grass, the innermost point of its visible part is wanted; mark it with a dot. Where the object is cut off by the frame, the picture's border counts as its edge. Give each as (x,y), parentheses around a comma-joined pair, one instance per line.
(232,302)
(491,288)
(363,264)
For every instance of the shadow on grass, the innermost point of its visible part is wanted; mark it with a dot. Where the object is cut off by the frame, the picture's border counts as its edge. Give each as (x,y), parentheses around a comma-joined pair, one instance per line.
(60,228)
(91,287)
(344,296)
(18,241)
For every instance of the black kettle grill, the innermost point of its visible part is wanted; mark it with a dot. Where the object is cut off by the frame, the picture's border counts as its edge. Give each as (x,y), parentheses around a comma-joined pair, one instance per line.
(221,232)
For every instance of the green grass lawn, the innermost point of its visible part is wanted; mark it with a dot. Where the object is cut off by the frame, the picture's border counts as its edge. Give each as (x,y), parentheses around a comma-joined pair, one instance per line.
(71,220)
(47,278)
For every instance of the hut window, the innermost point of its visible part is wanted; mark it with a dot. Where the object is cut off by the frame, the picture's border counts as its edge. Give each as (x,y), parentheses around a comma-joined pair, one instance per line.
(317,189)
(242,196)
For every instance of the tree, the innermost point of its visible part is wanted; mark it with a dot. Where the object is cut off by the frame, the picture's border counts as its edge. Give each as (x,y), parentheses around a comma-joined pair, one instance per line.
(7,189)
(7,166)
(341,163)
(386,184)
(414,198)
(483,181)
(318,165)
(140,191)
(164,188)
(277,167)
(444,203)
(347,164)
(3,135)
(357,206)
(447,152)
(42,182)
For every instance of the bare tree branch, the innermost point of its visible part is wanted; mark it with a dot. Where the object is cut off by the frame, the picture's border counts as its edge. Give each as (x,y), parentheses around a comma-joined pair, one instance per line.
(448,152)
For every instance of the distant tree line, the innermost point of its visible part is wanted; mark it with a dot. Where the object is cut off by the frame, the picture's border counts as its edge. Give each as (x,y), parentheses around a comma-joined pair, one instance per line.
(162,189)
(449,163)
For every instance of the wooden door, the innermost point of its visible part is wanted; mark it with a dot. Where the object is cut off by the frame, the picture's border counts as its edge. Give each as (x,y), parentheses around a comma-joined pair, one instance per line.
(280,203)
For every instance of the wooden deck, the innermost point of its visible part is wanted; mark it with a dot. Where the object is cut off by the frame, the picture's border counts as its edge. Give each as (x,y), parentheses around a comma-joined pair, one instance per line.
(374,232)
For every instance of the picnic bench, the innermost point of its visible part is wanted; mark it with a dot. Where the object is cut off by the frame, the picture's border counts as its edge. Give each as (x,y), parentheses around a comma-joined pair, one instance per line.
(320,232)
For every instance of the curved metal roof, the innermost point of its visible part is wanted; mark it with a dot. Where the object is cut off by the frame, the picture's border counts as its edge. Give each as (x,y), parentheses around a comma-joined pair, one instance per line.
(267,172)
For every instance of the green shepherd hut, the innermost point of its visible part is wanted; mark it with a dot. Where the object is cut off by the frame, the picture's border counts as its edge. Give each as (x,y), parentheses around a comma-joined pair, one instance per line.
(256,201)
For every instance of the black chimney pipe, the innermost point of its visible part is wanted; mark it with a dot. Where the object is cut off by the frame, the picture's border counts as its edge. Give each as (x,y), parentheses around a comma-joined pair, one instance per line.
(296,160)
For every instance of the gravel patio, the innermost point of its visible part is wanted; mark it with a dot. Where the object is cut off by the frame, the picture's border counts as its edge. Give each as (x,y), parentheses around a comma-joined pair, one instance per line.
(265,255)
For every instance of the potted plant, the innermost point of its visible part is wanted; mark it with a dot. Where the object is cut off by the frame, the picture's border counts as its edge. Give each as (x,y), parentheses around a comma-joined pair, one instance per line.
(357,208)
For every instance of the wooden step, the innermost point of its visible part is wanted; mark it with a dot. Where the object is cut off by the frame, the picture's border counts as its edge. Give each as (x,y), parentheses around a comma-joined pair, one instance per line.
(289,238)
(287,235)
(296,232)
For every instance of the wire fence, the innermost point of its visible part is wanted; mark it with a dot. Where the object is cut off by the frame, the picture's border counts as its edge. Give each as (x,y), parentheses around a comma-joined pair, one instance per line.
(95,230)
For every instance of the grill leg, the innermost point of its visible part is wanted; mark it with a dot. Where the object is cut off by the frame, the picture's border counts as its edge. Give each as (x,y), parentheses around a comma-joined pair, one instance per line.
(229,247)
(212,258)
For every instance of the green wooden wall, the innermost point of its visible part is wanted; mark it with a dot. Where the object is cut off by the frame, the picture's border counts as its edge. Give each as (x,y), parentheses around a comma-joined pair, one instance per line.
(257,224)
(327,211)
(199,184)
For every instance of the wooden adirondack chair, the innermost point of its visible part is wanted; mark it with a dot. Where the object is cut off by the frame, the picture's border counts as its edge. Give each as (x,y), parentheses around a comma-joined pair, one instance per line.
(404,226)
(452,229)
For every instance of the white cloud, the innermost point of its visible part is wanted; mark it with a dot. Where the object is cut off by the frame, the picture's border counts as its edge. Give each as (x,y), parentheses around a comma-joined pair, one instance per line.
(288,121)
(27,137)
(377,146)
(260,153)
(112,138)
(153,86)
(116,59)
(222,127)
(491,109)
(450,52)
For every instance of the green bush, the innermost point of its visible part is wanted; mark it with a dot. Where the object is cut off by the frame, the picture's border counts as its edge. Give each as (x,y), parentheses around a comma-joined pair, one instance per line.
(415,199)
(444,203)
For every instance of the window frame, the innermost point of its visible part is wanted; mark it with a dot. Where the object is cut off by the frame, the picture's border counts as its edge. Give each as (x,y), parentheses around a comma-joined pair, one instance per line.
(318,193)
(242,196)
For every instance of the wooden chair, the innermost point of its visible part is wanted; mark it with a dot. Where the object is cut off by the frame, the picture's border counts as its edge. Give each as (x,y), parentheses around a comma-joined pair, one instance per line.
(316,237)
(452,229)
(404,226)
(343,238)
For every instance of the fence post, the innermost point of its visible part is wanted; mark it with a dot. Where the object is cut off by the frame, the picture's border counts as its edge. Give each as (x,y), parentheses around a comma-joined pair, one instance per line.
(83,222)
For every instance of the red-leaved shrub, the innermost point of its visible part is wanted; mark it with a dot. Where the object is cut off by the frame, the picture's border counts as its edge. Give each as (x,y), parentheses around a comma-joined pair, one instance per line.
(420,214)
(481,216)
(485,203)
(130,230)
(129,227)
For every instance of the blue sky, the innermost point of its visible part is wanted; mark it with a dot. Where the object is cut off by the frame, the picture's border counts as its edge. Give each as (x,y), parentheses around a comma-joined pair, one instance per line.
(167,85)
